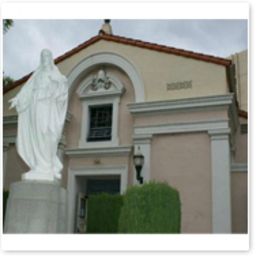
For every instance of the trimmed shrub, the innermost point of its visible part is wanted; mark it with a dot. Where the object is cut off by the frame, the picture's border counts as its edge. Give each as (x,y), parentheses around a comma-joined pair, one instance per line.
(5,197)
(151,208)
(103,212)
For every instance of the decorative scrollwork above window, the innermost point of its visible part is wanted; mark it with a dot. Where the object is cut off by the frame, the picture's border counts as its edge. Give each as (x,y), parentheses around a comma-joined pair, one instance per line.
(101,80)
(100,84)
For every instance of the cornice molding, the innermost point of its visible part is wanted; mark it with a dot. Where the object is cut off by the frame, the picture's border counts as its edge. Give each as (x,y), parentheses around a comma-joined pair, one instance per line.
(239,167)
(182,104)
(102,151)
(210,103)
(98,169)
(187,127)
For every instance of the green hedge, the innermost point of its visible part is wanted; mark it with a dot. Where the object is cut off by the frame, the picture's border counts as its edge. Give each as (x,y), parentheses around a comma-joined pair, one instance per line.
(103,212)
(151,208)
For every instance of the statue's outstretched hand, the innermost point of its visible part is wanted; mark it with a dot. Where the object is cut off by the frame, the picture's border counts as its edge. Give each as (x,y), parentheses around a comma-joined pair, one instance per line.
(13,102)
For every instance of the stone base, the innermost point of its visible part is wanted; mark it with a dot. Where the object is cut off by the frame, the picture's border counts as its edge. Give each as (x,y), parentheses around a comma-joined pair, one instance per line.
(36,207)
(41,176)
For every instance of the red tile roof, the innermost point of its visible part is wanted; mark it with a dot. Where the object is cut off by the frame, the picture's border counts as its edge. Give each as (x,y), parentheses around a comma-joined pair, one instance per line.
(132,42)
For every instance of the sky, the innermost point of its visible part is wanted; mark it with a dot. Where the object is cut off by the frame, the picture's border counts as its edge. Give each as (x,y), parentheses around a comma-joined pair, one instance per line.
(23,43)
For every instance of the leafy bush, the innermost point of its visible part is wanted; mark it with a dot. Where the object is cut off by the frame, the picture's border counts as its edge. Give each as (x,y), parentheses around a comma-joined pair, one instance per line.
(103,213)
(151,208)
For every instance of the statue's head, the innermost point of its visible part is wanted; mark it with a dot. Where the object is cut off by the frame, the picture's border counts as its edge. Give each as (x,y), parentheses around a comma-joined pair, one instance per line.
(46,58)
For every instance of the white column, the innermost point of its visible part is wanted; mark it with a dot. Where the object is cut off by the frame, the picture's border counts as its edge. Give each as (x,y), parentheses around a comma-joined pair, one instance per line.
(144,142)
(5,151)
(221,192)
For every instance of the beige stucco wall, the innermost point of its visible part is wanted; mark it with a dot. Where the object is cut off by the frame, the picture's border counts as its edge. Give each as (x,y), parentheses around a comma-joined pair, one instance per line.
(239,202)
(156,69)
(241,73)
(183,160)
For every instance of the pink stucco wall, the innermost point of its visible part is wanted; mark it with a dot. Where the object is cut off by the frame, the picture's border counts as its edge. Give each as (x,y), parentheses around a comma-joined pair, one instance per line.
(183,160)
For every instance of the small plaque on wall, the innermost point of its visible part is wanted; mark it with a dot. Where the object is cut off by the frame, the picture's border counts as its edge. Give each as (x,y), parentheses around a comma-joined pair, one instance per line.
(179,85)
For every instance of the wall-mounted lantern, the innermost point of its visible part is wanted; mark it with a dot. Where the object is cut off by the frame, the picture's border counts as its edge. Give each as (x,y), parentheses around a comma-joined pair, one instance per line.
(139,162)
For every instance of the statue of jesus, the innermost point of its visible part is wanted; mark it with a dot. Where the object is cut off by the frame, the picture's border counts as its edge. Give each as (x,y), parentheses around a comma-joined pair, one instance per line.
(41,105)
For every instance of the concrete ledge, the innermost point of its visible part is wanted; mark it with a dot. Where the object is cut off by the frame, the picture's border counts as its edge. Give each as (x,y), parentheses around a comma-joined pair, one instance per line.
(36,207)
(99,151)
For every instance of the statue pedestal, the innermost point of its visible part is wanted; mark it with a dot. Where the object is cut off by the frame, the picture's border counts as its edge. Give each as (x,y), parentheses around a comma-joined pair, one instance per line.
(36,207)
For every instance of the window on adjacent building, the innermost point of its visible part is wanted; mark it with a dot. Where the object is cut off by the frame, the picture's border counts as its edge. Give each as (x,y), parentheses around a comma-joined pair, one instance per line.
(243,128)
(100,124)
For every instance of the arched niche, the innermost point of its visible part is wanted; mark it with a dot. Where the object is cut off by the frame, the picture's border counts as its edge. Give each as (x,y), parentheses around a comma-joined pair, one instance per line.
(94,60)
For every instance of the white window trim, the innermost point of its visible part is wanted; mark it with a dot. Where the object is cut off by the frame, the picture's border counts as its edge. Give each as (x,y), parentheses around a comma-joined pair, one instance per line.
(120,170)
(99,98)
(83,143)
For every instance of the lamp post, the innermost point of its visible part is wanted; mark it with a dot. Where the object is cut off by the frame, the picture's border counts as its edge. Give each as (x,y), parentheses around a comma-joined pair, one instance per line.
(139,162)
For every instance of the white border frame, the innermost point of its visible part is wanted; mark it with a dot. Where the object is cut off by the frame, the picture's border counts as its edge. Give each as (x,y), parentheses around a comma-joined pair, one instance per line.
(184,243)
(114,101)
(99,98)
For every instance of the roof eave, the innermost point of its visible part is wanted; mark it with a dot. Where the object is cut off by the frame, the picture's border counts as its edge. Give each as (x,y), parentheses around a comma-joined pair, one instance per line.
(132,42)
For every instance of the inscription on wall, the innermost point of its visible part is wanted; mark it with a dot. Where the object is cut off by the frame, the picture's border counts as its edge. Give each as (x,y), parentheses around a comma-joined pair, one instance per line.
(179,85)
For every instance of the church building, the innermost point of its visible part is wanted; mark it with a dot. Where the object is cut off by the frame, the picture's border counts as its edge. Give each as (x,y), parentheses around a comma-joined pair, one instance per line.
(184,112)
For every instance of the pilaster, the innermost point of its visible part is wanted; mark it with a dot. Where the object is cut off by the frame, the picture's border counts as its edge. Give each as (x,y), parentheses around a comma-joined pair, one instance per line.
(221,190)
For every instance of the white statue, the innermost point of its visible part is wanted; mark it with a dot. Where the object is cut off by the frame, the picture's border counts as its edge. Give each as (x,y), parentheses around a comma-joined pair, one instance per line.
(41,105)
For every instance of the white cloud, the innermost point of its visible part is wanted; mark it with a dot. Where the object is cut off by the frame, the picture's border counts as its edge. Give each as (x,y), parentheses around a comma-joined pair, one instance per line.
(24,41)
